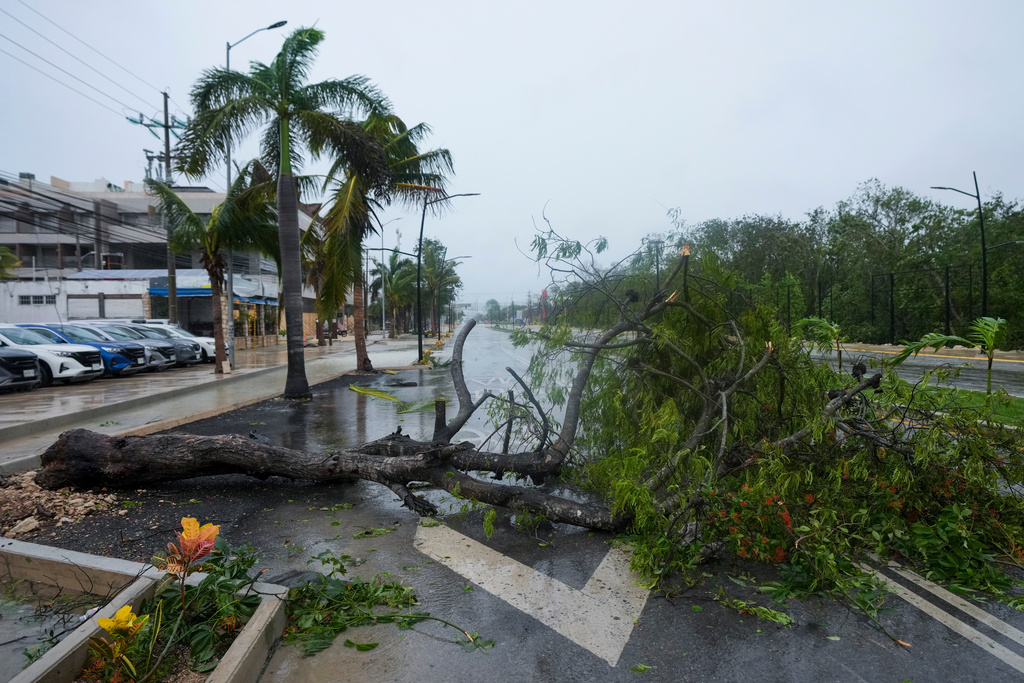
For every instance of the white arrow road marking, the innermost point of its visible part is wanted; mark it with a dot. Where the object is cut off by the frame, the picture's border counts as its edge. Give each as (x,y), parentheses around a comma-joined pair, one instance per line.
(599,617)
(969,632)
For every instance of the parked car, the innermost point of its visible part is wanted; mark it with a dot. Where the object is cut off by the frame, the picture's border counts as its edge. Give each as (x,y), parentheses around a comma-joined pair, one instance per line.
(119,358)
(19,369)
(159,354)
(186,352)
(169,331)
(59,362)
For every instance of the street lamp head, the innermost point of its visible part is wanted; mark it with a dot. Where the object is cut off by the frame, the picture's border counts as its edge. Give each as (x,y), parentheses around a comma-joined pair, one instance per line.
(278,24)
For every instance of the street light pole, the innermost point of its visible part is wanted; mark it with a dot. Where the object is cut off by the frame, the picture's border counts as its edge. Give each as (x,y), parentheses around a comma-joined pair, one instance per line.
(984,249)
(419,266)
(231,266)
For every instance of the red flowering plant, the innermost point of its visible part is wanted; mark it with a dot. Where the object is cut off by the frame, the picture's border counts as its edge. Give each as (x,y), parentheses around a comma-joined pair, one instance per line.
(195,542)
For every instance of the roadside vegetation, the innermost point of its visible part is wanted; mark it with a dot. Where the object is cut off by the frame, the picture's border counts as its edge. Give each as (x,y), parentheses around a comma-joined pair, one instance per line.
(714,431)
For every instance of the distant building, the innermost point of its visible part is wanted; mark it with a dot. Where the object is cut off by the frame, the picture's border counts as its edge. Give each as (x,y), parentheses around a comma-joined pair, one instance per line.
(97,249)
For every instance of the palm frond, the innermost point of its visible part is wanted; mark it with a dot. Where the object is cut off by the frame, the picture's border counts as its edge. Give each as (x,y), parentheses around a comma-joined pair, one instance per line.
(295,60)
(348,98)
(188,231)
(933,340)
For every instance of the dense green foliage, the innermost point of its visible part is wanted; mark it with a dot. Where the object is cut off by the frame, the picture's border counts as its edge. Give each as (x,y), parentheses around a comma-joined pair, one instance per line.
(787,463)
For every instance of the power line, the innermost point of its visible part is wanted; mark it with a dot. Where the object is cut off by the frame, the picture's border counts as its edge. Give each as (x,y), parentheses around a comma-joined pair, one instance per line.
(120,114)
(92,48)
(88,66)
(126,106)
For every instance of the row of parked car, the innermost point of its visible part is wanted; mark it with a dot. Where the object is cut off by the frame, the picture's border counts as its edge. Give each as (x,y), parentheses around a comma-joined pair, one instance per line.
(40,354)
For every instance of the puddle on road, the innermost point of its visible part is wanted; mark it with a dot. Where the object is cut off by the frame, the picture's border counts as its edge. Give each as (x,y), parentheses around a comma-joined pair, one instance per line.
(338,417)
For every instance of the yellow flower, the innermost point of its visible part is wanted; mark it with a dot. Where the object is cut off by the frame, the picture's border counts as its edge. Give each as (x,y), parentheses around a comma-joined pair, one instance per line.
(192,531)
(124,621)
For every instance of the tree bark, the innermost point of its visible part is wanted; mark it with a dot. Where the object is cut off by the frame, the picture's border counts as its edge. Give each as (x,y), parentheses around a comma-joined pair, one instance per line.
(216,290)
(88,459)
(296,385)
(358,300)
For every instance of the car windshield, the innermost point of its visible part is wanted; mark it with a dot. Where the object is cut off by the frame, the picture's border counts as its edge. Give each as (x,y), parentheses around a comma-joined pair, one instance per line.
(18,335)
(145,332)
(120,333)
(178,332)
(81,334)
(155,332)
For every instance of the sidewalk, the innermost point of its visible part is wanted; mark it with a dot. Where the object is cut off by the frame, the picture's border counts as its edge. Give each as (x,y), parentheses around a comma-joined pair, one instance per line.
(152,402)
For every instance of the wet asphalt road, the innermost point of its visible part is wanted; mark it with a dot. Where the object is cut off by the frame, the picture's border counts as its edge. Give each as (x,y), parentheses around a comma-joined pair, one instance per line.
(693,636)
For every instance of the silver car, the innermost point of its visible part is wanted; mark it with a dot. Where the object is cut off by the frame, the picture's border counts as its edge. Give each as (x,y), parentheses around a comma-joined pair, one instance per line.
(159,354)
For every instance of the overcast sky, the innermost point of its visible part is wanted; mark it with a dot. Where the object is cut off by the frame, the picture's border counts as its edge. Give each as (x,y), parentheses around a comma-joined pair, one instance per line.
(609,112)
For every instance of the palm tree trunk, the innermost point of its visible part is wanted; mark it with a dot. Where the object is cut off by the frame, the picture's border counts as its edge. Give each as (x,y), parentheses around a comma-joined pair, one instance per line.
(320,324)
(393,332)
(296,386)
(216,291)
(362,359)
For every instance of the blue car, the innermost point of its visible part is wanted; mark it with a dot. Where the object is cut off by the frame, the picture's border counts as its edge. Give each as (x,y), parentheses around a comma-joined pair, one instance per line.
(120,359)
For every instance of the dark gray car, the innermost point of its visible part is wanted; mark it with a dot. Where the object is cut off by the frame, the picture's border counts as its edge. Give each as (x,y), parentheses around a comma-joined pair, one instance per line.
(19,369)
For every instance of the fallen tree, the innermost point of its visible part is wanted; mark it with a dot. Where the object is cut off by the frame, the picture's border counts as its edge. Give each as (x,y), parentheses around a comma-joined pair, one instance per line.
(696,422)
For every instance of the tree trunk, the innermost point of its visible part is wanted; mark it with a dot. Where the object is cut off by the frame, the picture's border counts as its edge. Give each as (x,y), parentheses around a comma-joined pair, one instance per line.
(296,386)
(216,291)
(91,460)
(362,359)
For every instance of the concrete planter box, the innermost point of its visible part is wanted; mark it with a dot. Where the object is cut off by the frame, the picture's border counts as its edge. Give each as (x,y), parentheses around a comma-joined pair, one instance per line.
(132,582)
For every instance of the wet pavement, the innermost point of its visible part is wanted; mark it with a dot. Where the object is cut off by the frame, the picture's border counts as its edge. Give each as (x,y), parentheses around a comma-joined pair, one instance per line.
(535,594)
(149,402)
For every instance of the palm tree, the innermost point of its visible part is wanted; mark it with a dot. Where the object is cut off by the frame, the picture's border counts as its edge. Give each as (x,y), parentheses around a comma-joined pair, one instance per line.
(244,220)
(314,261)
(439,279)
(354,202)
(396,277)
(302,117)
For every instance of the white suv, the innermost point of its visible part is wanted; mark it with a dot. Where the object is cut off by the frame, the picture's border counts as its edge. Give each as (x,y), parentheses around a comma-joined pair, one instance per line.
(57,362)
(169,331)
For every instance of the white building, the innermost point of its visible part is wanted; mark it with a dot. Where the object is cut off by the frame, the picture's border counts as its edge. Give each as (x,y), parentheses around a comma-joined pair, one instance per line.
(96,249)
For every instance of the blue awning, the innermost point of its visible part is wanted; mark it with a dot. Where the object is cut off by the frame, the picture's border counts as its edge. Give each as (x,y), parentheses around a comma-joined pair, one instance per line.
(182,291)
(205,291)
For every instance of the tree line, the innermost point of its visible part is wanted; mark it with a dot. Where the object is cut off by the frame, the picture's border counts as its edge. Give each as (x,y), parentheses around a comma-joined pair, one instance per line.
(884,265)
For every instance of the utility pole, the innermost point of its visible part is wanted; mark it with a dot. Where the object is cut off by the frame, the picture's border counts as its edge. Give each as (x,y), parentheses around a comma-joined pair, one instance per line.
(172,278)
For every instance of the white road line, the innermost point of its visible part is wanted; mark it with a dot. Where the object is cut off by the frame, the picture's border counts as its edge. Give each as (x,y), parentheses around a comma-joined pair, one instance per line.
(969,632)
(599,617)
(981,615)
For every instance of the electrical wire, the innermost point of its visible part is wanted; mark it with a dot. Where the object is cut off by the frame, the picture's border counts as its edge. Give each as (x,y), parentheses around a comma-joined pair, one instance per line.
(85,64)
(91,99)
(92,48)
(37,56)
